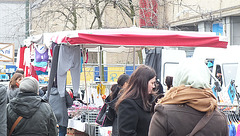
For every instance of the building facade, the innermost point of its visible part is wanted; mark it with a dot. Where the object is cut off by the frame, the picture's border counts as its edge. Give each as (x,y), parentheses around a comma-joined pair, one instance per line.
(220,16)
(13,22)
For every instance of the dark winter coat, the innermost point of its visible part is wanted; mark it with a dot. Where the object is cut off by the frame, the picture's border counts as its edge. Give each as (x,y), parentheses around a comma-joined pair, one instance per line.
(179,120)
(12,93)
(38,117)
(133,120)
(3,112)
(60,105)
(112,111)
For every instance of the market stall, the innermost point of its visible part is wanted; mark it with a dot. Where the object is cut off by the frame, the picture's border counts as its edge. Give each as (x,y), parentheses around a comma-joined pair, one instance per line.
(70,43)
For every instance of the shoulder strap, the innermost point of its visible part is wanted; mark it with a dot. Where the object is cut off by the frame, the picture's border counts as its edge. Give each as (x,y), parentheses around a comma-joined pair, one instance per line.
(201,123)
(15,124)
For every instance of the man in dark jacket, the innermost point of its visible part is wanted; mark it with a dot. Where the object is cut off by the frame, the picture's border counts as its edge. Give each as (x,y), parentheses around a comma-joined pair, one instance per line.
(3,115)
(38,118)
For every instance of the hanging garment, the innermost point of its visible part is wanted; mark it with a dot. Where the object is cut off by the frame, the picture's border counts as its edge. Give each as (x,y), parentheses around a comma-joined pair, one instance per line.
(232,130)
(33,72)
(20,58)
(101,89)
(69,58)
(53,72)
(43,69)
(41,73)
(40,64)
(81,63)
(86,57)
(154,60)
(41,54)
(238,130)
(231,92)
(52,47)
(27,61)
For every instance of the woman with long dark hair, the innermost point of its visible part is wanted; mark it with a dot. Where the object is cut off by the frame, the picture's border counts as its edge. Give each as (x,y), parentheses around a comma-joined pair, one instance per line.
(134,106)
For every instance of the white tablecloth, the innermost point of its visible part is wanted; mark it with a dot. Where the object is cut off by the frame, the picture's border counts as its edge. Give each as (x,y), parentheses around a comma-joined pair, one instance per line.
(76,124)
(80,126)
(104,131)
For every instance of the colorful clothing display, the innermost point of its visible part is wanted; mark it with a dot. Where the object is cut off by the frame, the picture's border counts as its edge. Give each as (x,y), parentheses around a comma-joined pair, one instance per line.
(41,55)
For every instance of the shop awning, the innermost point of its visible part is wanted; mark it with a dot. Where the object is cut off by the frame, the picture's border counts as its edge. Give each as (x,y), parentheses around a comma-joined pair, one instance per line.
(139,37)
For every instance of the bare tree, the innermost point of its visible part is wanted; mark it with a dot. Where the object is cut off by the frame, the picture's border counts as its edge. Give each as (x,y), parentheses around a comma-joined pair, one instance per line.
(96,8)
(64,13)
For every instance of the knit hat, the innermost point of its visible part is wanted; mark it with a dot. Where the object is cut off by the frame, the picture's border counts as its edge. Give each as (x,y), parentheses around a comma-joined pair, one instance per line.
(29,84)
(122,79)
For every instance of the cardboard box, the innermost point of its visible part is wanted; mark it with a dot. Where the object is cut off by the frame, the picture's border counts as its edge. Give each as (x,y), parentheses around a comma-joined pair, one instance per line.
(74,132)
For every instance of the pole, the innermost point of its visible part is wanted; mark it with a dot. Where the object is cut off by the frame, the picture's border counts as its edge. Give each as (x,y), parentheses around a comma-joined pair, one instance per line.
(27,19)
(134,50)
(100,64)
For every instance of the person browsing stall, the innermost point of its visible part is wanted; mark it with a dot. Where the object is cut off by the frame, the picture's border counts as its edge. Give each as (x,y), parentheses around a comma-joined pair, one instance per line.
(133,107)
(36,116)
(60,107)
(116,91)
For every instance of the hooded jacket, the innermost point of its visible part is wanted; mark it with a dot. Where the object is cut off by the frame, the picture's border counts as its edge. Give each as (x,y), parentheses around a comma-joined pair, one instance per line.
(38,118)
(3,112)
(59,105)
(12,93)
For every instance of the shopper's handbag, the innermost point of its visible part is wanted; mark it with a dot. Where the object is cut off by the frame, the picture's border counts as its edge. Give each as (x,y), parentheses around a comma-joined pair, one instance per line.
(105,116)
(14,125)
(204,120)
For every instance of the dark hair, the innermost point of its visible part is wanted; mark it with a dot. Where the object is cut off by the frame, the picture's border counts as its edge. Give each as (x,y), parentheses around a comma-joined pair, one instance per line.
(19,70)
(114,91)
(168,82)
(13,80)
(158,88)
(138,86)
(122,79)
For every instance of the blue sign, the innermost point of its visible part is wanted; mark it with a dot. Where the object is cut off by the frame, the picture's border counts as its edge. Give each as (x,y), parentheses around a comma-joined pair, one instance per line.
(96,74)
(218,28)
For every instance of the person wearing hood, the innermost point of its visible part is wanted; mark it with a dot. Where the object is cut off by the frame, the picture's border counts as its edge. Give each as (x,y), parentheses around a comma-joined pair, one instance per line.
(186,103)
(59,106)
(38,118)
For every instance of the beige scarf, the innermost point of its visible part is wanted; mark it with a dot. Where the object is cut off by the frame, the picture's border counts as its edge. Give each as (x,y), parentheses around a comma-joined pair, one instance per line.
(200,99)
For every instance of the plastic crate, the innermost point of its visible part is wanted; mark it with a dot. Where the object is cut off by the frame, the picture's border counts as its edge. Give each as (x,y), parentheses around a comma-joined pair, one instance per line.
(89,116)
(92,129)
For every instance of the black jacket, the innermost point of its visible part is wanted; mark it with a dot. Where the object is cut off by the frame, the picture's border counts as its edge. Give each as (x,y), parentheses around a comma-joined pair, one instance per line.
(112,112)
(133,120)
(38,118)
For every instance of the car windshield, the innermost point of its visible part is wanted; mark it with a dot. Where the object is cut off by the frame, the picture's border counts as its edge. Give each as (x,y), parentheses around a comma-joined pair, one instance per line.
(229,72)
(169,69)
